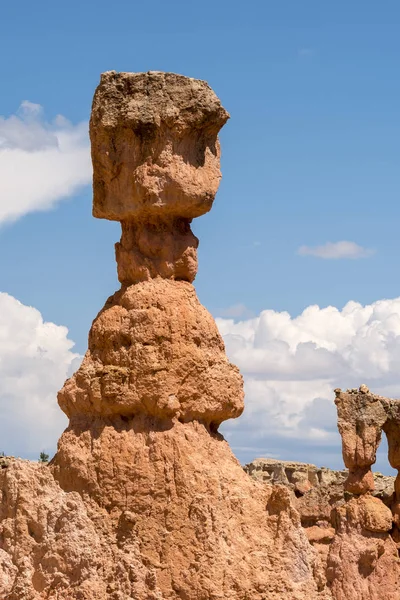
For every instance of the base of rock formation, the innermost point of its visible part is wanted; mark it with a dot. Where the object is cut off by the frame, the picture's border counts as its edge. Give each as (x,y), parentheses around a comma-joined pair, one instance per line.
(133,509)
(180,524)
(354,535)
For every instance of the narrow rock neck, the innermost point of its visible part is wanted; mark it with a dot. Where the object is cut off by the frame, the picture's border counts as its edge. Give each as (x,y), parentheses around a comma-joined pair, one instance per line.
(157,247)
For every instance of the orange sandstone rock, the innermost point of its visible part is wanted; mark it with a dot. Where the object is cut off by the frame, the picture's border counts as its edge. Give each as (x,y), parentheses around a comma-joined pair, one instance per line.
(361,417)
(354,535)
(144,499)
(155,350)
(156,166)
(363,558)
(142,447)
(155,149)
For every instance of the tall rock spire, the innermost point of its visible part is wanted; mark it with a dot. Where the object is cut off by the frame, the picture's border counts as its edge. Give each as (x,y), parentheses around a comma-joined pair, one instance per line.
(155,384)
(154,350)
(145,500)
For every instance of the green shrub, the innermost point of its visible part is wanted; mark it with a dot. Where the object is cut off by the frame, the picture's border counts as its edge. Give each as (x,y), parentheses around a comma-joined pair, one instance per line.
(43,458)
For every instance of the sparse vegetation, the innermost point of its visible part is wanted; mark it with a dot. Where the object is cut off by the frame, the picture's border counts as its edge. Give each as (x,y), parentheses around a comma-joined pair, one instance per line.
(44,458)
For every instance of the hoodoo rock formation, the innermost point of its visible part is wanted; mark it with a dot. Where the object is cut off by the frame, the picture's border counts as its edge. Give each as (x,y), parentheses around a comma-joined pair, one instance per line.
(368,529)
(144,499)
(350,517)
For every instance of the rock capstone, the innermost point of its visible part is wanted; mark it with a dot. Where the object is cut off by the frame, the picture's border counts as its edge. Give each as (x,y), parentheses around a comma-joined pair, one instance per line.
(156,166)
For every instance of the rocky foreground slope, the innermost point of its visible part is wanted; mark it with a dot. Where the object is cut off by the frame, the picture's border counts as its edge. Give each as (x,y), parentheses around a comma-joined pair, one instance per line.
(144,498)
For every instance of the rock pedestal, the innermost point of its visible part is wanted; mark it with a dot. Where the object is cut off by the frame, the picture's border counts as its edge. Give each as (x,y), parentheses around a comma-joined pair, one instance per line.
(362,417)
(360,420)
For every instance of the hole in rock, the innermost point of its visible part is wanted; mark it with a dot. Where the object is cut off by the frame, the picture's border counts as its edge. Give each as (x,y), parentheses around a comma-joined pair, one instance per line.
(382,464)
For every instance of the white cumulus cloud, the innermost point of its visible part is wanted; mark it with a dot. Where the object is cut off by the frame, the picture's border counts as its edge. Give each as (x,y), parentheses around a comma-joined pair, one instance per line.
(291,366)
(35,359)
(336,250)
(40,162)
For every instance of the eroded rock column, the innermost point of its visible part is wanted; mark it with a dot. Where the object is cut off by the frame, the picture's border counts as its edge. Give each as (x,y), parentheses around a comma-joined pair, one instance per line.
(154,350)
(392,430)
(363,558)
(142,448)
(360,420)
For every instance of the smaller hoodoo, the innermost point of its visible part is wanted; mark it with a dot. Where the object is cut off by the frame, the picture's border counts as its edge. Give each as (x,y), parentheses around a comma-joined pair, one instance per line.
(364,557)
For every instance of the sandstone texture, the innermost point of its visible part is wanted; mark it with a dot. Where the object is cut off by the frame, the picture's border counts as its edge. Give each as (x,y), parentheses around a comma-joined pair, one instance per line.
(156,162)
(144,499)
(155,350)
(333,517)
(351,516)
(297,476)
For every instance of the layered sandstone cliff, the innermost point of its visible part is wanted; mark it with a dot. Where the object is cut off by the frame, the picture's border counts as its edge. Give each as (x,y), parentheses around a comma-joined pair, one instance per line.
(144,499)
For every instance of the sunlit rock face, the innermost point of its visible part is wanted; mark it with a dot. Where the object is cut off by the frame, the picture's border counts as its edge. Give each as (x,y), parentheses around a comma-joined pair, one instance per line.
(351,517)
(144,499)
(155,384)
(156,160)
(353,534)
(155,350)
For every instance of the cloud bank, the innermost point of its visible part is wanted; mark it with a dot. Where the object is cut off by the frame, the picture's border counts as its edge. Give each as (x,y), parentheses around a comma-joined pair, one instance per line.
(35,360)
(292,365)
(40,162)
(336,250)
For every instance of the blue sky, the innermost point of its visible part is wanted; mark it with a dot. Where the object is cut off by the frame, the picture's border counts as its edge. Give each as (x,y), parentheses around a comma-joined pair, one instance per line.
(310,155)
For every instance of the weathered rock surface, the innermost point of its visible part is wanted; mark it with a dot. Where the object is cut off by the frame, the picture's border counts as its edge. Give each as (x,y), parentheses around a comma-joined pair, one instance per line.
(300,477)
(155,350)
(350,517)
(363,559)
(305,479)
(364,542)
(155,149)
(156,160)
(54,546)
(144,498)
(177,494)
